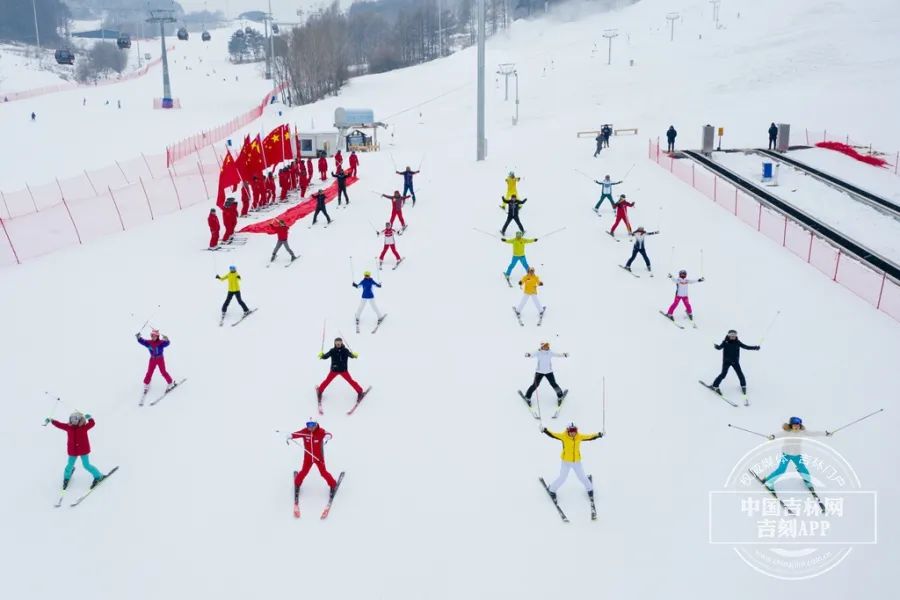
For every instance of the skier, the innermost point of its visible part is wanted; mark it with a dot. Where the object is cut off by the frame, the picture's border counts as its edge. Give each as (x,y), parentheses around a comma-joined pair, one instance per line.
(341,177)
(270,188)
(258,192)
(230,217)
(320,198)
(368,296)
(397,202)
(606,187)
(309,169)
(78,445)
(33,117)
(338,160)
(354,163)
(281,230)
(792,433)
(606,131)
(513,204)
(681,294)
(304,178)
(773,135)
(213,221)
(671,134)
(388,233)
(518,252)
(621,207)
(284,183)
(571,457)
(155,345)
(323,167)
(543,370)
(599,140)
(408,183)
(314,439)
(638,248)
(339,356)
(512,184)
(530,284)
(731,358)
(234,290)
(245,198)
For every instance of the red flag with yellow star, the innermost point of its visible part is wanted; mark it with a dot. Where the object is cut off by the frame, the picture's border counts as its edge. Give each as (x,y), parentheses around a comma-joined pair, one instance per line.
(255,159)
(273,146)
(243,161)
(228,177)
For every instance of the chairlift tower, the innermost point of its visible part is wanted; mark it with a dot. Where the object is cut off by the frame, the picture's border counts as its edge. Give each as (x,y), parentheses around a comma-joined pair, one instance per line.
(672,17)
(481,142)
(609,34)
(163,16)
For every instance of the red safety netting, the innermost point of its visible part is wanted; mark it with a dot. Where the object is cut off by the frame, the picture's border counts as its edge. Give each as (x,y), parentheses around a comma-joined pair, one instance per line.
(873,286)
(294,214)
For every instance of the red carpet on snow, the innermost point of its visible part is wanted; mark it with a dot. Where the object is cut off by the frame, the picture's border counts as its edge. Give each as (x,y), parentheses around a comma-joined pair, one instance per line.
(851,151)
(294,214)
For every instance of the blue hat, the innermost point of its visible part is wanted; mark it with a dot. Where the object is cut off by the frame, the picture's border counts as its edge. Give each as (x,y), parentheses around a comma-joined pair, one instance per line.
(795,421)
(311,424)
(232,268)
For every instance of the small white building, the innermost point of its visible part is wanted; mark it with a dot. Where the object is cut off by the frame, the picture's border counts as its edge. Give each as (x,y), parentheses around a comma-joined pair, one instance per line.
(311,143)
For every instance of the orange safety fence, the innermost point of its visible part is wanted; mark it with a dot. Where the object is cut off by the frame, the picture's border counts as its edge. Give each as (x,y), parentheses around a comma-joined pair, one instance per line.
(873,286)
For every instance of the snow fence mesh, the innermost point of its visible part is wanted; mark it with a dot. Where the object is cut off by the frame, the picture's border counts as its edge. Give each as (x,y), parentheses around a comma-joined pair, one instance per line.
(873,286)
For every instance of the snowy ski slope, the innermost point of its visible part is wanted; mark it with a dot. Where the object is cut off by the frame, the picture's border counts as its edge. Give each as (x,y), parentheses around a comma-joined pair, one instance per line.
(441,500)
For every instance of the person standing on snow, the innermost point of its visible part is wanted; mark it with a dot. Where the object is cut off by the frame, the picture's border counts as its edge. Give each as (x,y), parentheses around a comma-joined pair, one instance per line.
(230,217)
(259,192)
(368,296)
(155,345)
(320,198)
(397,202)
(638,248)
(606,131)
(234,290)
(341,177)
(681,294)
(281,230)
(606,187)
(309,169)
(408,183)
(513,204)
(512,184)
(77,445)
(339,356)
(388,233)
(213,221)
(571,457)
(792,433)
(314,439)
(354,163)
(671,134)
(323,168)
(773,135)
(544,370)
(530,284)
(621,207)
(245,199)
(338,161)
(270,188)
(518,252)
(731,358)
(599,140)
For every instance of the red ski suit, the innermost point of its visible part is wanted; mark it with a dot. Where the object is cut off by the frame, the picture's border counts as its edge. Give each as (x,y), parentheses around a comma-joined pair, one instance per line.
(213,222)
(323,168)
(77,443)
(283,182)
(397,208)
(270,189)
(314,444)
(388,233)
(622,215)
(338,160)
(309,169)
(258,192)
(229,217)
(245,199)
(354,162)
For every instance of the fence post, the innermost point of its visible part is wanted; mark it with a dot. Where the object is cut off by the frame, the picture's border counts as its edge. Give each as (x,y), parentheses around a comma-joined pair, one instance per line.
(5,205)
(693,176)
(759,218)
(784,239)
(152,218)
(715,187)
(123,172)
(837,263)
(116,204)
(203,179)
(735,201)
(149,170)
(32,197)
(881,293)
(91,182)
(807,136)
(77,234)
(175,187)
(19,262)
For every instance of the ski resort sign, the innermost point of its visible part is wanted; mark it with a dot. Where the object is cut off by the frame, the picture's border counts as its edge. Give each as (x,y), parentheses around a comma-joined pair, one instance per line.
(807,525)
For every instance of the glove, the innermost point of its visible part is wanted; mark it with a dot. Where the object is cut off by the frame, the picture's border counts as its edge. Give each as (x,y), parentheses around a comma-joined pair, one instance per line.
(354,355)
(771,437)
(758,347)
(321,355)
(701,279)
(287,438)
(828,433)
(137,335)
(47,421)
(354,284)
(502,239)
(528,355)
(88,417)
(565,355)
(600,435)
(544,430)
(535,239)
(217,277)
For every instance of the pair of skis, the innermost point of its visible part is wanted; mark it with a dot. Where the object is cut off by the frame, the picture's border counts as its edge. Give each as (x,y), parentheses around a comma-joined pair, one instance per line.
(723,396)
(676,323)
(242,317)
(559,403)
(352,409)
(169,390)
(81,498)
(377,325)
(809,486)
(326,224)
(327,510)
(633,274)
(519,316)
(559,509)
(290,262)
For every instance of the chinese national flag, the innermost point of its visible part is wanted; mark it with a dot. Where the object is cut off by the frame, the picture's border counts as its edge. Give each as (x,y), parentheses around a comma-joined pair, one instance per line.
(273,147)
(228,177)
(243,162)
(288,142)
(255,159)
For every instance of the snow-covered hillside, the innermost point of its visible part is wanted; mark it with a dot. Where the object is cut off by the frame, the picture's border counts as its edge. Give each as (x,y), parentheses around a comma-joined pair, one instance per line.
(441,499)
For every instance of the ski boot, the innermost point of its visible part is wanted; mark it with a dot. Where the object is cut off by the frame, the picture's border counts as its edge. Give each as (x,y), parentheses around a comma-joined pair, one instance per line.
(716,389)
(171,386)
(627,268)
(272,259)
(590,493)
(380,264)
(66,482)
(146,388)
(97,480)
(744,389)
(691,316)
(552,494)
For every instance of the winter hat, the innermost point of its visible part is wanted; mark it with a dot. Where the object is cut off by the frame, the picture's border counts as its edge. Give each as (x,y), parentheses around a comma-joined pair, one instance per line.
(571,427)
(76,418)
(232,268)
(154,332)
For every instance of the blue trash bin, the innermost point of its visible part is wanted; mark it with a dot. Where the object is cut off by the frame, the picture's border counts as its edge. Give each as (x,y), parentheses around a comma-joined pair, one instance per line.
(767,170)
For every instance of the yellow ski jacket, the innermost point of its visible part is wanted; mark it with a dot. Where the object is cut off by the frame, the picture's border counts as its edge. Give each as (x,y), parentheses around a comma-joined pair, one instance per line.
(571,451)
(518,245)
(233,279)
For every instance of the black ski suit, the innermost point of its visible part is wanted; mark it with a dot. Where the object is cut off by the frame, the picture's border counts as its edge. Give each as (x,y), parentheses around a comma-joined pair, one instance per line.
(339,358)
(320,206)
(512,213)
(599,140)
(773,136)
(638,248)
(731,358)
(342,186)
(671,134)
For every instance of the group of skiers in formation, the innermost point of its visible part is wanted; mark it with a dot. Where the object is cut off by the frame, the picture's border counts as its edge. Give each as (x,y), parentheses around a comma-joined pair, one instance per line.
(312,438)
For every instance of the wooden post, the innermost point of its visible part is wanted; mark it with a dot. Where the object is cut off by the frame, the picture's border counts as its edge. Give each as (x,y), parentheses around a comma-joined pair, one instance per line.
(32,197)
(837,264)
(175,187)
(148,198)
(116,204)
(77,234)
(881,293)
(11,247)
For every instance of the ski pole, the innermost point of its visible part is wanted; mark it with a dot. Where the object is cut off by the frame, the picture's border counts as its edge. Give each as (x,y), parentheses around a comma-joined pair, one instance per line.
(537,400)
(352,271)
(373,226)
(392,161)
(603,409)
(53,408)
(279,432)
(322,346)
(625,176)
(701,262)
(856,421)
(583,174)
(766,332)
(555,231)
(486,233)
(748,431)
(672,260)
(421,160)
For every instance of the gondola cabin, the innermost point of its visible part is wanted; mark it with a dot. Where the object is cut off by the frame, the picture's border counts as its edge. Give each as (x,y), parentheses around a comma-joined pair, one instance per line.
(205,36)
(65,57)
(124,41)
(182,34)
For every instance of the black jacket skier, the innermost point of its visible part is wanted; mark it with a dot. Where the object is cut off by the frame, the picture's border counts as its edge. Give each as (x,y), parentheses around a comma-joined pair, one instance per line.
(773,135)
(320,206)
(339,356)
(513,205)
(671,134)
(341,177)
(731,357)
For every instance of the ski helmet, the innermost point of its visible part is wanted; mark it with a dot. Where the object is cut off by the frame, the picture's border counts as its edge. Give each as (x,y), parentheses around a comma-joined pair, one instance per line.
(76,418)
(518,234)
(545,345)
(367,274)
(512,174)
(154,332)
(232,268)
(682,273)
(732,332)
(310,424)
(571,428)
(795,421)
(606,177)
(640,230)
